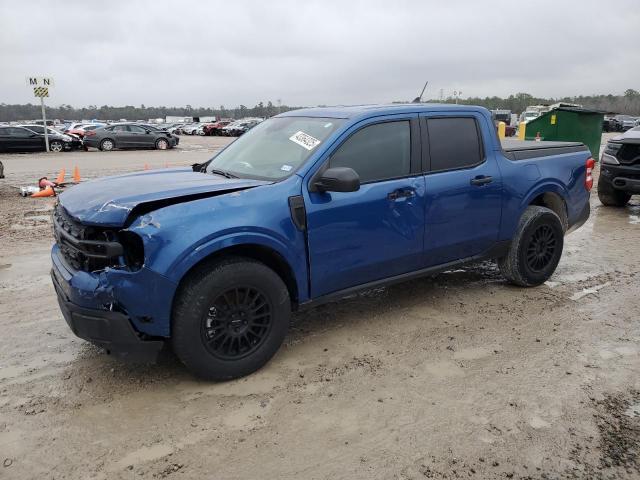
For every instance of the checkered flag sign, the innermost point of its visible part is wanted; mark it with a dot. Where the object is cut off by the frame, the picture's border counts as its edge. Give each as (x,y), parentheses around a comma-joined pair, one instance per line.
(41,91)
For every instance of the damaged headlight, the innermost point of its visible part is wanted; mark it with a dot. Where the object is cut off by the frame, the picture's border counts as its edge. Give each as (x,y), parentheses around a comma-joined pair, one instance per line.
(133,249)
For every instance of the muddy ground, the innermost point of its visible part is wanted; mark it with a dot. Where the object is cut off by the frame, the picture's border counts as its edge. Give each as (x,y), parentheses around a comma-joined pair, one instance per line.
(456,376)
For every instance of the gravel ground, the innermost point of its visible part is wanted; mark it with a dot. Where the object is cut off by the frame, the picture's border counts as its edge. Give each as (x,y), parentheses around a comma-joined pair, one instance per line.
(456,376)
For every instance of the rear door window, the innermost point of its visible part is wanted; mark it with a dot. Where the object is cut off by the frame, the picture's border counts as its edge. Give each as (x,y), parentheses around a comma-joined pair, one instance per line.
(19,132)
(454,143)
(378,152)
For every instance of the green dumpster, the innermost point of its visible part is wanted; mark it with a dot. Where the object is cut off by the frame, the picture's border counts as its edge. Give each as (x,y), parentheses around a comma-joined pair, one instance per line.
(571,124)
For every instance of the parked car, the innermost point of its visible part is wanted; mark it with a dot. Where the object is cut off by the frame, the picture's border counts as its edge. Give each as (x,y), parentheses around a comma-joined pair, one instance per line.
(620,169)
(215,128)
(128,135)
(240,127)
(190,129)
(20,139)
(70,141)
(307,207)
(175,129)
(624,123)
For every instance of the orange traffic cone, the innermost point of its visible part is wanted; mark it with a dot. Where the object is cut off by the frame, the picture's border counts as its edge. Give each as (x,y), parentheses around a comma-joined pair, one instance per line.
(61,175)
(47,192)
(146,166)
(538,137)
(76,174)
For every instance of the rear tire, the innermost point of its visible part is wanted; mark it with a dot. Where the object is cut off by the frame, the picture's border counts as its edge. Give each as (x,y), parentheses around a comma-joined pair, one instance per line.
(609,196)
(107,145)
(230,318)
(535,249)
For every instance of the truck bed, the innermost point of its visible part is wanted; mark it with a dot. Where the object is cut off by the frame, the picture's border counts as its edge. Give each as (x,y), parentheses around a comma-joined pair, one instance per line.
(526,149)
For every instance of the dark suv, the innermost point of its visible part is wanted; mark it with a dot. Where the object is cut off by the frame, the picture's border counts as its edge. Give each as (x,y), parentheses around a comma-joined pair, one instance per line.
(620,170)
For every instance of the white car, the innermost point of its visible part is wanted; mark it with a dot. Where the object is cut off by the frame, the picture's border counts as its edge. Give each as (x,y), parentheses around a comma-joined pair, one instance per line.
(190,129)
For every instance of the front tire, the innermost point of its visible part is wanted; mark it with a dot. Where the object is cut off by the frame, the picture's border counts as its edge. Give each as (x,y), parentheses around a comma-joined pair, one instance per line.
(230,318)
(162,144)
(56,146)
(609,196)
(535,249)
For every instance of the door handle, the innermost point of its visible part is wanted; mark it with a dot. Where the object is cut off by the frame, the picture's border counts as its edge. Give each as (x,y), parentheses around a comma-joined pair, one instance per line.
(401,193)
(481,180)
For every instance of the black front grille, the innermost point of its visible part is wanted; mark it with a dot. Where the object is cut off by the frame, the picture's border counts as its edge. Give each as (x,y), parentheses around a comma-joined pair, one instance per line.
(629,153)
(84,247)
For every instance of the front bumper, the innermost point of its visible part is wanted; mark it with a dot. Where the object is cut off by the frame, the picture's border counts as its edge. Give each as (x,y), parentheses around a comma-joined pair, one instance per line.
(126,312)
(625,178)
(107,329)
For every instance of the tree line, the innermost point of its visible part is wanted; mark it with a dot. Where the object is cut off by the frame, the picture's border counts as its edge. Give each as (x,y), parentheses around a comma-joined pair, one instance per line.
(12,113)
(627,103)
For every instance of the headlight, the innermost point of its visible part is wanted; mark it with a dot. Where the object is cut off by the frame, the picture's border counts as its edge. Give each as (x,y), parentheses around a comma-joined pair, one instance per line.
(67,138)
(609,159)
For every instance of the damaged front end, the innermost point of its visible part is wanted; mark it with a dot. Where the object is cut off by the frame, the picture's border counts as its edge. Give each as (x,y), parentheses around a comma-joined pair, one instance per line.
(91,248)
(106,295)
(108,249)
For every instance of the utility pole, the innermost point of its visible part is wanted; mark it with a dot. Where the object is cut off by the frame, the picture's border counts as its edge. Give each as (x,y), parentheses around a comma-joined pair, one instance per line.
(44,122)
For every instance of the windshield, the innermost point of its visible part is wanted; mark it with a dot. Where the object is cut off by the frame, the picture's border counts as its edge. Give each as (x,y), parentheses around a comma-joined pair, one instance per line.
(275,148)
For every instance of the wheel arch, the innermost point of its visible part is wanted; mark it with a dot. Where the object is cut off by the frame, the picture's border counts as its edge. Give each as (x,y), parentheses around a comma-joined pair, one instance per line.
(552,196)
(553,201)
(254,251)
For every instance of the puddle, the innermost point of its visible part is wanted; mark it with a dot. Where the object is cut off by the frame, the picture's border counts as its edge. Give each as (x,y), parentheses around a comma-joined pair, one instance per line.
(588,291)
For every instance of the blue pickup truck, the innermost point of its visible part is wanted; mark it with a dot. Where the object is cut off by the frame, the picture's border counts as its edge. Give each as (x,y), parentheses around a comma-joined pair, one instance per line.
(307,207)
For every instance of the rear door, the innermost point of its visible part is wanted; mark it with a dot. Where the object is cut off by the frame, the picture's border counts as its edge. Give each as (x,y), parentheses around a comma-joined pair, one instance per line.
(121,136)
(376,232)
(463,187)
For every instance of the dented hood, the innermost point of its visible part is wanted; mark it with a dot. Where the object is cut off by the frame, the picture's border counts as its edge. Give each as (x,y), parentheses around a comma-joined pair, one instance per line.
(109,201)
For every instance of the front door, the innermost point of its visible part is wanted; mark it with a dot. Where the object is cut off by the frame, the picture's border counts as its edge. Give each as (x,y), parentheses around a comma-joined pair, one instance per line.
(376,232)
(139,137)
(463,188)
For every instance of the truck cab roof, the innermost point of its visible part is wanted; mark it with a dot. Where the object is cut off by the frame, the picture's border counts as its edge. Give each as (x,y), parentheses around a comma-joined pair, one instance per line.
(365,111)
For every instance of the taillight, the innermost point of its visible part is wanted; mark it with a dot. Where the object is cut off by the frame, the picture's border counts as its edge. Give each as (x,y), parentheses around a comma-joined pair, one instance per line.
(89,133)
(588,181)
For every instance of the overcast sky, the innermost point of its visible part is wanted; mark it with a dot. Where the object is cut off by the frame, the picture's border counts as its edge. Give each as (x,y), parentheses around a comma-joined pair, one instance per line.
(208,53)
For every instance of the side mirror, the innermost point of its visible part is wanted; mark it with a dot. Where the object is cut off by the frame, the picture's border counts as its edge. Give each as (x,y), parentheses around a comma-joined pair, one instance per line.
(338,179)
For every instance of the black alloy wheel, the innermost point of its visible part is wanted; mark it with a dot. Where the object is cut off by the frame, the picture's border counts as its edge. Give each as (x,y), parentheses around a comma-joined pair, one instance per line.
(541,248)
(237,323)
